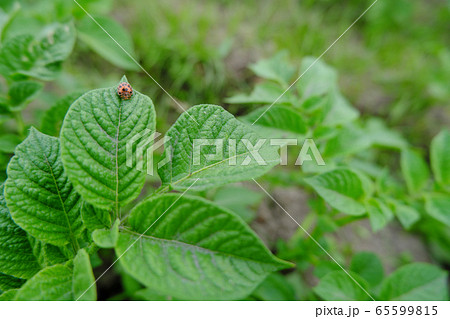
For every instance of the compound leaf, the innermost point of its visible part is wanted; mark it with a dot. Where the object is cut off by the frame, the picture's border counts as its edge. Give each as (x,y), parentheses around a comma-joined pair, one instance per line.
(39,195)
(94,139)
(213,165)
(196,250)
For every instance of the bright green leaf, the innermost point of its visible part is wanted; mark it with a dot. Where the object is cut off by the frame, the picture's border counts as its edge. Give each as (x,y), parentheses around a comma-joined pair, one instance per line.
(341,188)
(278,118)
(10,295)
(275,68)
(39,195)
(415,170)
(440,158)
(379,214)
(96,38)
(275,287)
(94,140)
(438,206)
(217,164)
(264,93)
(107,238)
(407,216)
(368,266)
(61,282)
(338,286)
(417,281)
(196,250)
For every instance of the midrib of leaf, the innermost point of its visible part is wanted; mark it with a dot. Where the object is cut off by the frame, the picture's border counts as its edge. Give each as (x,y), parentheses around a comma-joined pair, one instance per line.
(192,245)
(117,213)
(72,236)
(164,189)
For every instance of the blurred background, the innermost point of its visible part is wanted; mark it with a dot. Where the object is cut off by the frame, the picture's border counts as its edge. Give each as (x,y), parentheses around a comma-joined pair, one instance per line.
(393,64)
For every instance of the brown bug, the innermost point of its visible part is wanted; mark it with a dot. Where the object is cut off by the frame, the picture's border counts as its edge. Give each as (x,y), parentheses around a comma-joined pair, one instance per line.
(125,91)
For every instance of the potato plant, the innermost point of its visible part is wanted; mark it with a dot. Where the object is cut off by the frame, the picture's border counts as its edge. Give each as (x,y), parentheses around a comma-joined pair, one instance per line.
(84,192)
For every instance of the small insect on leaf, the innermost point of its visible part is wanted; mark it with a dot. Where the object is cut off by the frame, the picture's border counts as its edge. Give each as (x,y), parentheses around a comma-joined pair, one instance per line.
(125,91)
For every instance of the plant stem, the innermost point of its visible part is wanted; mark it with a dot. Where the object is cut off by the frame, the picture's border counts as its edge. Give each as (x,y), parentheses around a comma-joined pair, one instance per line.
(20,124)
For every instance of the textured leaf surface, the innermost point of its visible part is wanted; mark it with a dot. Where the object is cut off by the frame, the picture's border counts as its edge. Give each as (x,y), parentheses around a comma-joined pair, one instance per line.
(95,218)
(214,123)
(416,281)
(91,34)
(8,282)
(16,254)
(54,116)
(338,286)
(368,266)
(46,254)
(93,142)
(39,195)
(61,282)
(194,251)
(341,188)
(415,170)
(440,158)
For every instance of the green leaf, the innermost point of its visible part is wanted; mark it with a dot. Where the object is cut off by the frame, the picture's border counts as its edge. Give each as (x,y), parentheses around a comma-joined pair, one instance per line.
(21,93)
(415,170)
(39,195)
(83,281)
(8,143)
(407,216)
(196,250)
(275,68)
(379,214)
(417,281)
(213,124)
(278,118)
(95,218)
(96,38)
(341,188)
(46,254)
(10,295)
(107,238)
(275,287)
(94,140)
(61,282)
(8,282)
(16,254)
(263,93)
(238,199)
(54,116)
(438,206)
(368,266)
(440,158)
(39,58)
(338,286)
(318,78)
